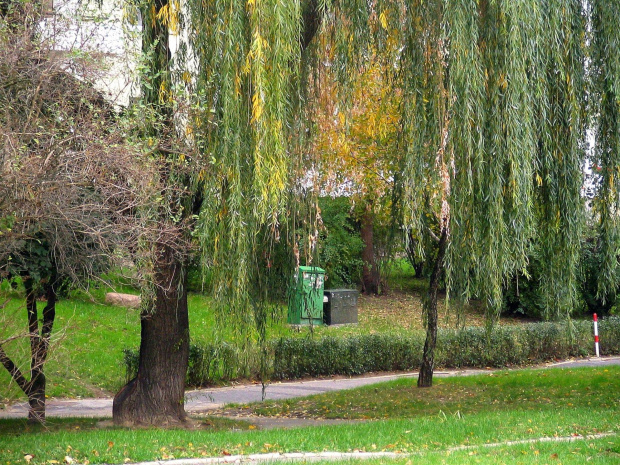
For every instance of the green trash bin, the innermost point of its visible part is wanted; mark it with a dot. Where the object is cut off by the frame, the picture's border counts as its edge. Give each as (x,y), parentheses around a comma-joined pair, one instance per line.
(306,299)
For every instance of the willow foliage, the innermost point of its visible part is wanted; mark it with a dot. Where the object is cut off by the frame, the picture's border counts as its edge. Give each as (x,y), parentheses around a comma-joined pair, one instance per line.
(561,152)
(495,100)
(494,118)
(246,56)
(606,159)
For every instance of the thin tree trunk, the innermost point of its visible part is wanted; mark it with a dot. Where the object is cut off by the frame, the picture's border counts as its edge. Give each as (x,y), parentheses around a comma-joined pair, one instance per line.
(425,378)
(35,389)
(370,271)
(156,395)
(39,348)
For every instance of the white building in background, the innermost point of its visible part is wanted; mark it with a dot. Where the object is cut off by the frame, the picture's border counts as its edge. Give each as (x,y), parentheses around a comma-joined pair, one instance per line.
(105,31)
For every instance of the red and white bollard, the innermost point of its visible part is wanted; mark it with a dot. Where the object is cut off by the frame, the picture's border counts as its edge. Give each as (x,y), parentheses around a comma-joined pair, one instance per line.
(596,336)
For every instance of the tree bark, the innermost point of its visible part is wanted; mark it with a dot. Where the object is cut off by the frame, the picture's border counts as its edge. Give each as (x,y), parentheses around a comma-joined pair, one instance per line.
(38,381)
(311,18)
(156,395)
(370,271)
(39,348)
(35,389)
(425,378)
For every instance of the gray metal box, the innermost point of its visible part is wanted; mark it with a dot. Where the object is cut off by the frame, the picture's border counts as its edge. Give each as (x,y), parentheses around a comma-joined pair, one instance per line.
(341,306)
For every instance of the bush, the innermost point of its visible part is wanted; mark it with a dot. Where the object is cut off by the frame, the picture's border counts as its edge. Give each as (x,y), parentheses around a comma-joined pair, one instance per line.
(340,246)
(296,358)
(208,364)
(291,358)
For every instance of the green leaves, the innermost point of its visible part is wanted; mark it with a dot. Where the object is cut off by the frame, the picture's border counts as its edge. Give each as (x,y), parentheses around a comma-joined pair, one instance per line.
(495,98)
(247,56)
(606,159)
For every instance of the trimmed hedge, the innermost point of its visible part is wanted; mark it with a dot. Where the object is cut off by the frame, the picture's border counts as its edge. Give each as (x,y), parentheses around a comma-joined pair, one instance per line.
(208,364)
(297,357)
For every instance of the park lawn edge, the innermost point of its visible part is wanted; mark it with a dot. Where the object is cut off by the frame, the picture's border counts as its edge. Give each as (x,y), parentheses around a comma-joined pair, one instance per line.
(428,433)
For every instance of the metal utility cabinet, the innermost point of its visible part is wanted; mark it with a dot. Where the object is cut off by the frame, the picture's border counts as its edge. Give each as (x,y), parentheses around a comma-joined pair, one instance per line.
(341,306)
(306,300)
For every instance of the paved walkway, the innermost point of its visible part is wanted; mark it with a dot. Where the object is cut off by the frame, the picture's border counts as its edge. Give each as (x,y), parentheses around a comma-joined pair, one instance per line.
(203,400)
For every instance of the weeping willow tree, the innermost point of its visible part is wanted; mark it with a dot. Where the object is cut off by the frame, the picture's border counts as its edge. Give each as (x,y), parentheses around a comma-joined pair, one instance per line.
(605,41)
(155,396)
(495,117)
(225,164)
(494,120)
(494,128)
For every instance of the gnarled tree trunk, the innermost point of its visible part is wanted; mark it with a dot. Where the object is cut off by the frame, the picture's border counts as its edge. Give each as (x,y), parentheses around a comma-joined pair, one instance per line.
(156,395)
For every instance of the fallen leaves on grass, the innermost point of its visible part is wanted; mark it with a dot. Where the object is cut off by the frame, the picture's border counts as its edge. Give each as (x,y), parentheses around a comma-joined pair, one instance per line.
(403,310)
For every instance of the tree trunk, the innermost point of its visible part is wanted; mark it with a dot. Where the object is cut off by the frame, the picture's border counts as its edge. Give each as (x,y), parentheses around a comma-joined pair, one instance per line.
(370,271)
(425,378)
(39,348)
(156,395)
(35,389)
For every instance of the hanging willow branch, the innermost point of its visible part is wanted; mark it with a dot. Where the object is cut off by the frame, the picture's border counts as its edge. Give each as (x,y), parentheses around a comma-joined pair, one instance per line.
(606,160)
(248,60)
(508,76)
(561,125)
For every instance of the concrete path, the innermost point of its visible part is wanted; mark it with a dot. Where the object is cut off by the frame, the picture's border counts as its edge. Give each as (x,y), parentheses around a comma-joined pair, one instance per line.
(203,400)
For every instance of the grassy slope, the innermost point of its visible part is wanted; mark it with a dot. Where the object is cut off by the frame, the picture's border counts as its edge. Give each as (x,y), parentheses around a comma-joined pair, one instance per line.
(600,451)
(88,341)
(505,390)
(430,433)
(426,437)
(90,336)
(86,349)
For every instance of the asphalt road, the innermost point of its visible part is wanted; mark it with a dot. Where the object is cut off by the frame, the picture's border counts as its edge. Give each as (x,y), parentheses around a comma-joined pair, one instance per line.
(203,400)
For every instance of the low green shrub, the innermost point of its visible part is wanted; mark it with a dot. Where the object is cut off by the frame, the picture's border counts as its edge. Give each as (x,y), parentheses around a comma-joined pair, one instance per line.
(296,358)
(208,364)
(340,245)
(473,347)
(504,346)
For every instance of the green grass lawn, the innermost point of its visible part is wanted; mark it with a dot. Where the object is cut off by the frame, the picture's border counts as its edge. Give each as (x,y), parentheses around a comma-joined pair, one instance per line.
(550,389)
(89,336)
(605,451)
(86,350)
(472,421)
(86,357)
(425,437)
